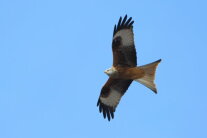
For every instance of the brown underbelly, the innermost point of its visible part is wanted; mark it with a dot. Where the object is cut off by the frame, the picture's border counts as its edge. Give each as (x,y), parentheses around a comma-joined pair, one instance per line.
(130,73)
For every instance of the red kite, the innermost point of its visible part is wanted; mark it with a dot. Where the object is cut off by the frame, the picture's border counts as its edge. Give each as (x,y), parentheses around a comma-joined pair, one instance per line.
(124,69)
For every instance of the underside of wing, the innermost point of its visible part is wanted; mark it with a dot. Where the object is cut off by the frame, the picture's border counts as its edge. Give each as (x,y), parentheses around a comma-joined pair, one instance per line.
(110,96)
(124,52)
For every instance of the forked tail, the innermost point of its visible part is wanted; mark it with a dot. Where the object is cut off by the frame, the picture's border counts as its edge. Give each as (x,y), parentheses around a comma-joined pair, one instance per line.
(148,79)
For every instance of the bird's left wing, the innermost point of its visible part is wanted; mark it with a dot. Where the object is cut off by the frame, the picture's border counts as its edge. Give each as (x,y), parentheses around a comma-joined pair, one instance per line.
(110,96)
(124,52)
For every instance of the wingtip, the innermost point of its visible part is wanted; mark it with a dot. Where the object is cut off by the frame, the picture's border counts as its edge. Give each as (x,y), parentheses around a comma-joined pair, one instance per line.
(119,23)
(125,16)
(108,112)
(131,24)
(98,103)
(123,23)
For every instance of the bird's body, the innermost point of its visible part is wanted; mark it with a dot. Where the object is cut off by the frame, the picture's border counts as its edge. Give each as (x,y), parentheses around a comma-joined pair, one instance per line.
(124,69)
(128,73)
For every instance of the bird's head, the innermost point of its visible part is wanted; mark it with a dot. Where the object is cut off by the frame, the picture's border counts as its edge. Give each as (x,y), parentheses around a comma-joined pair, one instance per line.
(111,71)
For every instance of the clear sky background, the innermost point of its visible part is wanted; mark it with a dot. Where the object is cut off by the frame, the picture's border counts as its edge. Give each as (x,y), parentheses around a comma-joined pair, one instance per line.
(52,58)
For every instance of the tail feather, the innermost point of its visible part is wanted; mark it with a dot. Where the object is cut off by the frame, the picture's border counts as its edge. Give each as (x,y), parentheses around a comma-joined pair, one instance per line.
(148,78)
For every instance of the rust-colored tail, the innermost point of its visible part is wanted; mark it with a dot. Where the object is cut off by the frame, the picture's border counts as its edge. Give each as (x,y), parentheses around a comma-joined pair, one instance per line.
(149,75)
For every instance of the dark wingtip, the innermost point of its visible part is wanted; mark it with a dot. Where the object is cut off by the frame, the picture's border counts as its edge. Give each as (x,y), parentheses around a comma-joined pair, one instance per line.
(114,29)
(98,103)
(131,23)
(108,112)
(119,23)
(104,113)
(123,24)
(124,20)
(100,109)
(112,113)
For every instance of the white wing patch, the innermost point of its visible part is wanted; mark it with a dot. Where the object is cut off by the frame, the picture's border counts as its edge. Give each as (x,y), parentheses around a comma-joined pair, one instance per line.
(113,98)
(127,36)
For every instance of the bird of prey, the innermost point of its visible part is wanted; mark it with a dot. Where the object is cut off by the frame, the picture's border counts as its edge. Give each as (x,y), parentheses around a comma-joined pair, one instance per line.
(124,69)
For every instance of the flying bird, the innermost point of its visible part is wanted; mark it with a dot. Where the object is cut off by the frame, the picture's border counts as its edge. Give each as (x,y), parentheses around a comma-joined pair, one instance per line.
(124,69)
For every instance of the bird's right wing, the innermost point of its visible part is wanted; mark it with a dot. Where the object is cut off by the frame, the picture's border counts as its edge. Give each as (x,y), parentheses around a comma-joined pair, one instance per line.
(110,96)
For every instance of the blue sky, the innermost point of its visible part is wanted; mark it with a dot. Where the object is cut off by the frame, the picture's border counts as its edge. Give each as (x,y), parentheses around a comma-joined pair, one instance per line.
(53,54)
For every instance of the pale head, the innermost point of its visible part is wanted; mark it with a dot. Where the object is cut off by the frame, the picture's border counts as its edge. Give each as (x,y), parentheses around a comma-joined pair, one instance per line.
(111,71)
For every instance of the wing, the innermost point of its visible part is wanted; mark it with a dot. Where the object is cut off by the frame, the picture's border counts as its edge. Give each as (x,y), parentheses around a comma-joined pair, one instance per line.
(124,52)
(110,96)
